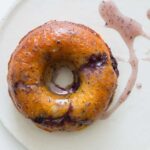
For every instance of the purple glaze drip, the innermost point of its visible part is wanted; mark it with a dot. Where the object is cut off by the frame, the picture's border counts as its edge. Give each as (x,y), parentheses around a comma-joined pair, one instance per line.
(129,29)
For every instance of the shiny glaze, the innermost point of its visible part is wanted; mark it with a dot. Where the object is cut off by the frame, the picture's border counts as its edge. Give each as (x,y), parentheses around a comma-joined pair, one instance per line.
(53,44)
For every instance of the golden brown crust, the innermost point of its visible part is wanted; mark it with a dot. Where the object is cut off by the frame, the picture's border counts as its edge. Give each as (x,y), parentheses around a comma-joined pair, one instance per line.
(57,42)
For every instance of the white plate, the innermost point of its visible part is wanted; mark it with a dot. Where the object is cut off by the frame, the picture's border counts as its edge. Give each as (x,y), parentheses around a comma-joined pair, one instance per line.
(129,127)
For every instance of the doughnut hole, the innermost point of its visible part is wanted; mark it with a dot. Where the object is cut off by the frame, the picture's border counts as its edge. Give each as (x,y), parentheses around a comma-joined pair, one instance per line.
(61,78)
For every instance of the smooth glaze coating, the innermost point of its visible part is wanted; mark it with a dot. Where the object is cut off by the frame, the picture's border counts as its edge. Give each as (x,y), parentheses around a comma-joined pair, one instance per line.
(49,46)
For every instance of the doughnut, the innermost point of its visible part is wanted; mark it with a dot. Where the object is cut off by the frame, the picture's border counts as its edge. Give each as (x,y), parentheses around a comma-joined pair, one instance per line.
(35,63)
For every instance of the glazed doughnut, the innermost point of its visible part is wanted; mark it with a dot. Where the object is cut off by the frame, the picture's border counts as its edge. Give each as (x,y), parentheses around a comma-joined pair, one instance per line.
(31,76)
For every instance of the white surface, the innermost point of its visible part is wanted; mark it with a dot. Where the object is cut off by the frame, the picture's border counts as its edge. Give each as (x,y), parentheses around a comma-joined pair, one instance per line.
(129,127)
(5,6)
(7,141)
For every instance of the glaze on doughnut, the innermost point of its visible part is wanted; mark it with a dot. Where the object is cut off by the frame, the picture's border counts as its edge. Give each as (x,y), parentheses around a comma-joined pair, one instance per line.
(47,48)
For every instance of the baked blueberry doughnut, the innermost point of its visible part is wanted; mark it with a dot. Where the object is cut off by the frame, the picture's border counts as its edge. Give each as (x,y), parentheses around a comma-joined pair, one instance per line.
(31,76)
